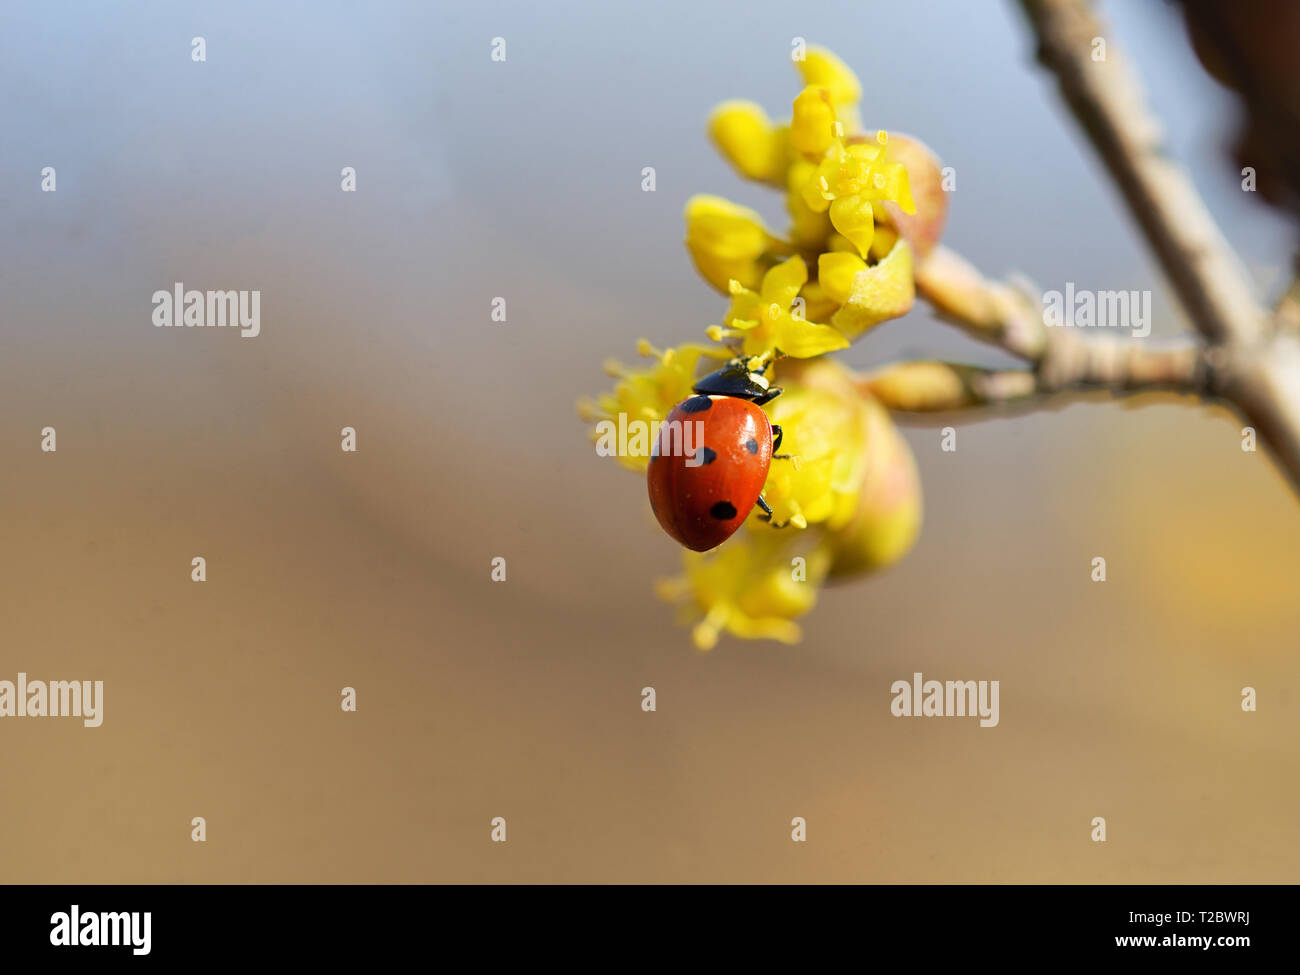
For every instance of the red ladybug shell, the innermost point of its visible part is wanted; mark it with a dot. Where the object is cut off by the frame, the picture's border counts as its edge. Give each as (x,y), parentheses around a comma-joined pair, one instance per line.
(730,443)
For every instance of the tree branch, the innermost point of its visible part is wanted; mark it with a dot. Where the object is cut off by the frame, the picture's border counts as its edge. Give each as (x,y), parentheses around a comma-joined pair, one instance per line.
(1107,99)
(1253,361)
(1009,316)
(1070,365)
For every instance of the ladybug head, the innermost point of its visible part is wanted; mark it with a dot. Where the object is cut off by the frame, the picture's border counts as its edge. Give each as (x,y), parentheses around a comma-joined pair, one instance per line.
(742,378)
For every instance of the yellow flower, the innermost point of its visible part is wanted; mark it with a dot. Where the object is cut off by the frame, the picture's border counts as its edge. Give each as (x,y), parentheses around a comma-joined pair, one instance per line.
(824,427)
(759,148)
(727,242)
(878,293)
(748,140)
(753,587)
(764,320)
(849,180)
(845,495)
(822,69)
(809,229)
(925,181)
(646,395)
(887,519)
(877,515)
(868,294)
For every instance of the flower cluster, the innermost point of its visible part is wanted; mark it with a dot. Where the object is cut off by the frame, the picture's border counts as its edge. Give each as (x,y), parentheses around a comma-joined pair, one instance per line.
(862,208)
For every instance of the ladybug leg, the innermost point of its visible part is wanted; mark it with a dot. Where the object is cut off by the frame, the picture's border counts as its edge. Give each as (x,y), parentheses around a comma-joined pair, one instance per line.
(768,513)
(767,397)
(777,434)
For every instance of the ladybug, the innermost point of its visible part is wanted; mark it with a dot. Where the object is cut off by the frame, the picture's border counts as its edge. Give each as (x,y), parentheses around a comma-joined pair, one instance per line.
(710,459)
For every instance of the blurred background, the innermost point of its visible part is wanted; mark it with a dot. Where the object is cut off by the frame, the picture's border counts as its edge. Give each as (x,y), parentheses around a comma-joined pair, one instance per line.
(521,699)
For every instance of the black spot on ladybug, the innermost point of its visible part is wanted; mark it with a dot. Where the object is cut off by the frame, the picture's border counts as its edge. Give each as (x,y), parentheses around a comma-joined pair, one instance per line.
(723,511)
(707,456)
(696,404)
(751,445)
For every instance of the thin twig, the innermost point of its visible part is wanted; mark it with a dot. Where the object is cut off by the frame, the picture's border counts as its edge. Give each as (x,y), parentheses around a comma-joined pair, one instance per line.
(1070,366)
(1007,315)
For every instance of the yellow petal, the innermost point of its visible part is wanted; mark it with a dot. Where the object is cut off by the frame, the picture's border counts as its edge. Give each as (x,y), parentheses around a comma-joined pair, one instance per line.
(841,245)
(835,274)
(822,69)
(814,192)
(884,240)
(781,284)
(744,135)
(726,228)
(705,633)
(726,241)
(745,304)
(879,293)
(762,628)
(925,181)
(867,152)
(852,216)
(809,227)
(819,306)
(889,182)
(812,127)
(801,339)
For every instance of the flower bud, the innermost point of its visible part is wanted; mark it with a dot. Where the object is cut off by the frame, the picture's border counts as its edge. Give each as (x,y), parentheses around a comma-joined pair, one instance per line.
(749,141)
(726,241)
(887,519)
